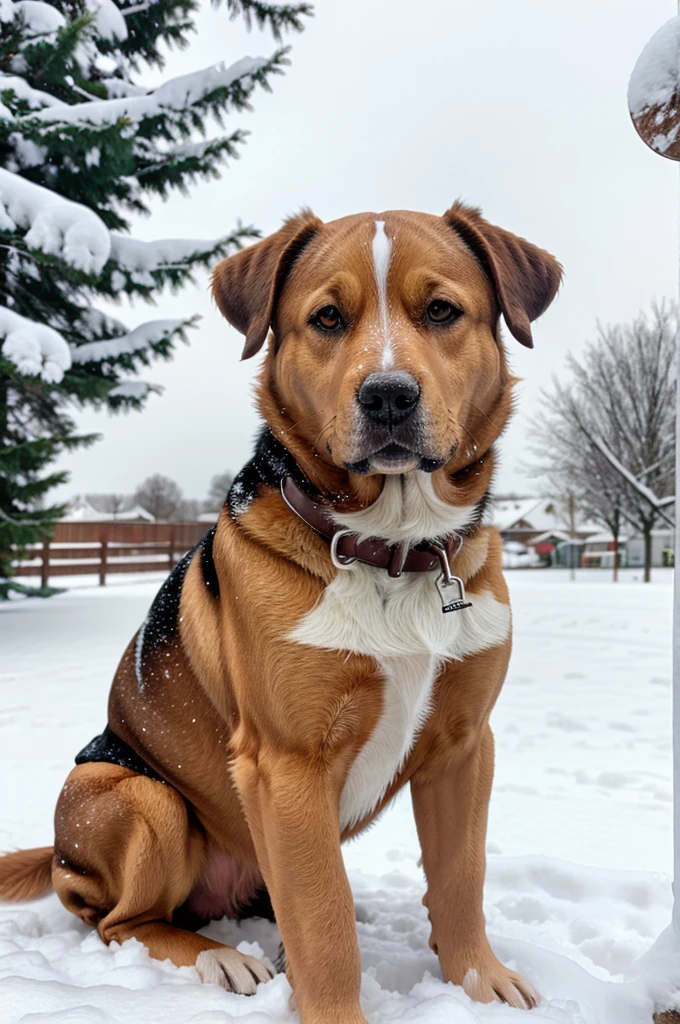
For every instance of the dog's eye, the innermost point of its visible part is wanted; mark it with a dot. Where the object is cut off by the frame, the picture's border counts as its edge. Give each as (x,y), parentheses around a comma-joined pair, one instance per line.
(441,312)
(328,319)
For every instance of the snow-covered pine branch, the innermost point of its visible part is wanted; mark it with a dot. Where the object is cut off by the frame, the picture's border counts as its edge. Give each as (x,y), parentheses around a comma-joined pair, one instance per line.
(73,233)
(215,89)
(188,159)
(139,268)
(38,20)
(125,349)
(35,349)
(53,224)
(39,351)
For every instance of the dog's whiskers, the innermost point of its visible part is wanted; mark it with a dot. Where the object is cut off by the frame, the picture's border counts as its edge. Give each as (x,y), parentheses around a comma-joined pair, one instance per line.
(323,429)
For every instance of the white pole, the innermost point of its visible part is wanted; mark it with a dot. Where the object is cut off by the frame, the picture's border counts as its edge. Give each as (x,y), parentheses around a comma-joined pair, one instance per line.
(676,627)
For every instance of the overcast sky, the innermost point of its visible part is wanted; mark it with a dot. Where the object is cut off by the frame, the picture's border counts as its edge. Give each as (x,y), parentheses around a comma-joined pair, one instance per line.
(518,107)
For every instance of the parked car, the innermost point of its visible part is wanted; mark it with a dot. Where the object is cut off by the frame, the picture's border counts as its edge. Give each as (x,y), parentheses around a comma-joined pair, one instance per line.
(518,556)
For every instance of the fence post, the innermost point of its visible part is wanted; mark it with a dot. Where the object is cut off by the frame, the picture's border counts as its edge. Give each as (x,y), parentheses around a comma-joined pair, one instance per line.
(171,553)
(45,570)
(103,557)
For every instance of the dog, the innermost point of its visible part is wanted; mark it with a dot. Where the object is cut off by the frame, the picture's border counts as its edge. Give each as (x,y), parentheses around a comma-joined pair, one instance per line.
(343,630)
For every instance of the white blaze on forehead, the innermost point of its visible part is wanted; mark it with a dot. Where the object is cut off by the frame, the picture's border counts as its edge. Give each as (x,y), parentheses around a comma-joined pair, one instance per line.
(382,251)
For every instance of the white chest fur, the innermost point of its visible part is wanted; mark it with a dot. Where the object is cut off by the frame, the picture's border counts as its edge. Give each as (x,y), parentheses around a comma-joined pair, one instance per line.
(400,623)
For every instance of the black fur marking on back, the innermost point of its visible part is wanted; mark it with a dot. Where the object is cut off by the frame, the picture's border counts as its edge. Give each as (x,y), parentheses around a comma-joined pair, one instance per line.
(208,564)
(110,748)
(270,463)
(162,622)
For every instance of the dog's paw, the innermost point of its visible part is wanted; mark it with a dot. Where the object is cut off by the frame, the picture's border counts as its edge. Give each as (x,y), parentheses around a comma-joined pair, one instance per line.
(497,984)
(234,971)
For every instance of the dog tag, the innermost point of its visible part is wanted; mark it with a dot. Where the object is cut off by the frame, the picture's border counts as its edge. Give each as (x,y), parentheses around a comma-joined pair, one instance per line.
(452,593)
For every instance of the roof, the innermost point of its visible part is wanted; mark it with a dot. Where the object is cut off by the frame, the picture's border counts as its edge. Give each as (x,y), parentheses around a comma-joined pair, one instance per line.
(549,535)
(605,537)
(81,510)
(505,514)
(540,514)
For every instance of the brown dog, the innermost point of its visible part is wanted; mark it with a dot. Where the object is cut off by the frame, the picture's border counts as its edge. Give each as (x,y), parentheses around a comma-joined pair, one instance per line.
(315,652)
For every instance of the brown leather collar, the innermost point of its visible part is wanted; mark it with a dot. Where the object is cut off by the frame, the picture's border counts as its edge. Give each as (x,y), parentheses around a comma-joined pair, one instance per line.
(346,546)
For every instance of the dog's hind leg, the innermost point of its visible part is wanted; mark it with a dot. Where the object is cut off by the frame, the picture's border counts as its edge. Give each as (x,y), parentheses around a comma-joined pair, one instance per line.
(127,853)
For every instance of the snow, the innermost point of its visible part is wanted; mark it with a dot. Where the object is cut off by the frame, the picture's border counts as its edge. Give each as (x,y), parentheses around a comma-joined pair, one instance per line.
(34,348)
(27,152)
(108,21)
(638,485)
(35,98)
(135,341)
(176,94)
(505,514)
(656,76)
(117,87)
(579,835)
(135,255)
(53,224)
(40,18)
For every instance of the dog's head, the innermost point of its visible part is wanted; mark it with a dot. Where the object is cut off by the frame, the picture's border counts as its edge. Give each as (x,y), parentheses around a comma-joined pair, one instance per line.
(385,353)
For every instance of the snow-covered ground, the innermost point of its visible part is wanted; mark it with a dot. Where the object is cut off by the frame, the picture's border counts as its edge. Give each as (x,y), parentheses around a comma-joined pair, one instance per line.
(579,837)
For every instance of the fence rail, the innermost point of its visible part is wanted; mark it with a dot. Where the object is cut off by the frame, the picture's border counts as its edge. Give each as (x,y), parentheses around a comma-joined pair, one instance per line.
(109,547)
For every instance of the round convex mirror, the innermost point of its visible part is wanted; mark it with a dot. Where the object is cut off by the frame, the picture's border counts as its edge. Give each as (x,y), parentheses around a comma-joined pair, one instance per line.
(654,91)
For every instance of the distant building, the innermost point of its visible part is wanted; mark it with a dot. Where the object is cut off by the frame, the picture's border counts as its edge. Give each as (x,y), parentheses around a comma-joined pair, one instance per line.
(539,524)
(84,509)
(598,551)
(663,546)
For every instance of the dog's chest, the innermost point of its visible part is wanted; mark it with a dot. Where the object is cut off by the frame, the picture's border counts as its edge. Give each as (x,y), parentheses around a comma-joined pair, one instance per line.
(400,623)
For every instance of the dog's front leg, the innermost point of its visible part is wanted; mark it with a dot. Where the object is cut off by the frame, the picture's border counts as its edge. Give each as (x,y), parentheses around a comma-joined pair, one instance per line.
(292,811)
(450,801)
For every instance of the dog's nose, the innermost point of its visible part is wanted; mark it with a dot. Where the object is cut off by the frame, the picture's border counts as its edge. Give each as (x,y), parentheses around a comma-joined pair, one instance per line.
(389,398)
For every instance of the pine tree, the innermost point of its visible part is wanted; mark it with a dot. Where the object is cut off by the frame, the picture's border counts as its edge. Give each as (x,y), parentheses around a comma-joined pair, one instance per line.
(83,146)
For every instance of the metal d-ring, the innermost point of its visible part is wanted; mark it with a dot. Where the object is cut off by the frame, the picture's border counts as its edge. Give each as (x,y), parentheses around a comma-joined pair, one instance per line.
(335,557)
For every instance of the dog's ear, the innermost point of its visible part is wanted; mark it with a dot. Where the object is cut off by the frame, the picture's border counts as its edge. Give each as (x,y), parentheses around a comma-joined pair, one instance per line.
(525,278)
(247,285)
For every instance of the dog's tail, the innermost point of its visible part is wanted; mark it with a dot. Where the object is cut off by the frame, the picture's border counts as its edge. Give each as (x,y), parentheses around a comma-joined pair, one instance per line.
(26,874)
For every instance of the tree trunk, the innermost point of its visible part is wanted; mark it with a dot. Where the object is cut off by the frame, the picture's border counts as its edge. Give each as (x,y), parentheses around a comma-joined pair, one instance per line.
(648,553)
(572,534)
(615,570)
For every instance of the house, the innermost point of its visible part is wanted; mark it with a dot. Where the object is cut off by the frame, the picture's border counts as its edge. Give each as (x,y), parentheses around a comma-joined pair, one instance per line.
(598,551)
(84,509)
(663,546)
(522,519)
(541,524)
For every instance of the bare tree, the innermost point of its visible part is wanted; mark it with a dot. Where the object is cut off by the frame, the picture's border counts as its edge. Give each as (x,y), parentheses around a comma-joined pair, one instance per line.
(112,504)
(219,486)
(570,467)
(620,400)
(160,496)
(191,508)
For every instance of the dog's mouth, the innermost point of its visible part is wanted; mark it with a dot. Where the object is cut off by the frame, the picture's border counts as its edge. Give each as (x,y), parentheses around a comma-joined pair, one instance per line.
(394,458)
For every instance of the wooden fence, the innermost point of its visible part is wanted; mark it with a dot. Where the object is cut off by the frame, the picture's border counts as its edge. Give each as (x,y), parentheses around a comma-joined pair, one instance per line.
(110,547)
